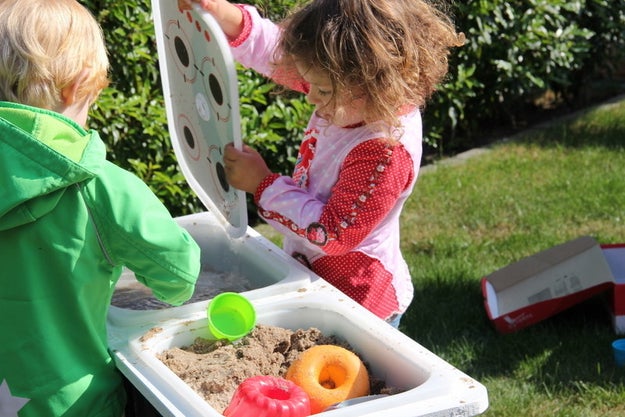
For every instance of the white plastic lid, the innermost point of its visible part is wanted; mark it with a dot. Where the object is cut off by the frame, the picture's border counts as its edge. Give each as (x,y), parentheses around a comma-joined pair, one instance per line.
(202,102)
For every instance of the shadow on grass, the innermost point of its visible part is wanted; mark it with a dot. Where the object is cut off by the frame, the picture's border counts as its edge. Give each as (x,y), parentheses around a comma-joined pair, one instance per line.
(573,346)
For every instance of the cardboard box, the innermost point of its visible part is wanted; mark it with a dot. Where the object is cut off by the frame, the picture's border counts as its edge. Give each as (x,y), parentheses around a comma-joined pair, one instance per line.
(541,285)
(615,256)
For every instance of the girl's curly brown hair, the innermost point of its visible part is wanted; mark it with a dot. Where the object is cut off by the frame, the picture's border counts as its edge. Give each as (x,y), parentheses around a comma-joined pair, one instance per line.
(393,51)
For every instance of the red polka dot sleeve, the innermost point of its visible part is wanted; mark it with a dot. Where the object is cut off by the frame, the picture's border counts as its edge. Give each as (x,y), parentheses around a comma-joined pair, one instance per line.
(371,180)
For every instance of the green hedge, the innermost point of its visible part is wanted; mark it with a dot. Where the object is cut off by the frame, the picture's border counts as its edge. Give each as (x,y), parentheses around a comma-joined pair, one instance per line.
(516,50)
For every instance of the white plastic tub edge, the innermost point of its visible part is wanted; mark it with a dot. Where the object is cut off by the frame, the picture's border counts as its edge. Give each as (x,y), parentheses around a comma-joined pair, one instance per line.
(434,387)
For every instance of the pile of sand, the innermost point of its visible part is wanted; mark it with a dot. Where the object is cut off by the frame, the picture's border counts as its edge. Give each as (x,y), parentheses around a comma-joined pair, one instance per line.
(215,369)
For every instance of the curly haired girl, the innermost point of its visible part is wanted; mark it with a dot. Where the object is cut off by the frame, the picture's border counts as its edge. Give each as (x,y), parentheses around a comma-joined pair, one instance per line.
(368,67)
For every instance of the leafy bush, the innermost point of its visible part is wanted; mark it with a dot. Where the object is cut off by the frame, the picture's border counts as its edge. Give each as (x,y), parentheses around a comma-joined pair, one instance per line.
(515,51)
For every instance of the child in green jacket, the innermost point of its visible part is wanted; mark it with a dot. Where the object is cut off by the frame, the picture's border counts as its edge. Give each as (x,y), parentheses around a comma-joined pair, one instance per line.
(69,220)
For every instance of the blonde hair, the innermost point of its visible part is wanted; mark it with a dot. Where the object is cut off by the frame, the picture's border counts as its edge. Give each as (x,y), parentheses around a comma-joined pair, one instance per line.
(394,52)
(45,45)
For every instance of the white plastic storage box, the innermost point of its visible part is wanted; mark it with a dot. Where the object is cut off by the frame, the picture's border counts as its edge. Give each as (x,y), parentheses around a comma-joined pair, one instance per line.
(201,96)
(432,386)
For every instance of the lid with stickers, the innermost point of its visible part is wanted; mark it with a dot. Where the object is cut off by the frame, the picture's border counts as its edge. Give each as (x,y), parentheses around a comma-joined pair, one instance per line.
(202,102)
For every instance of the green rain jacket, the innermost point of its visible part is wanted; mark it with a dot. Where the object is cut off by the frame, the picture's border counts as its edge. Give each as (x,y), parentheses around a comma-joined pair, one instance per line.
(69,221)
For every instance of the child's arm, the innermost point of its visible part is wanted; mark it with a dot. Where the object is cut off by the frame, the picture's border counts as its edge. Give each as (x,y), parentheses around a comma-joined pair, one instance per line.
(372,179)
(229,16)
(135,229)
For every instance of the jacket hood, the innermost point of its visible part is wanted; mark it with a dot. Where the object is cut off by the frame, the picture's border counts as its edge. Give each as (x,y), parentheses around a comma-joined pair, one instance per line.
(42,153)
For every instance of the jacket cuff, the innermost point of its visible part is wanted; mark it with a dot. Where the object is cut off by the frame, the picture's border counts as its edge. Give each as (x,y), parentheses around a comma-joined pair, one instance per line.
(266,182)
(247,28)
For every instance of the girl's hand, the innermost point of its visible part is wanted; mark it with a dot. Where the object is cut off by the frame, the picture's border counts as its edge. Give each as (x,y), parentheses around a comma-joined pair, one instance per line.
(208,5)
(229,16)
(245,169)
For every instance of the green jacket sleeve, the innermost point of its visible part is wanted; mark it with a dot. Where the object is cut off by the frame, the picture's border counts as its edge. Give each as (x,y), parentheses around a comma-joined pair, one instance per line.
(138,232)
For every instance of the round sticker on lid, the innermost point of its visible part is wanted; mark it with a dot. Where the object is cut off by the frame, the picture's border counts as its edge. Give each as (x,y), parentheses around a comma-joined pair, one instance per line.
(202,102)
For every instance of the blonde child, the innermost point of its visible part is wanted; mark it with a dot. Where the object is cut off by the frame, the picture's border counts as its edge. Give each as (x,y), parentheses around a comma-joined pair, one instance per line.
(368,66)
(69,220)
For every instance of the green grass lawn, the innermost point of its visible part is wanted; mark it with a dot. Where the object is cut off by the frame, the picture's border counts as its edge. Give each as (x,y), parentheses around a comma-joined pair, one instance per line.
(464,221)
(523,195)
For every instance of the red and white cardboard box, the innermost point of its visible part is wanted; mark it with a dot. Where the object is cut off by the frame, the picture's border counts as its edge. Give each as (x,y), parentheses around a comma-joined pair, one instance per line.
(615,256)
(544,284)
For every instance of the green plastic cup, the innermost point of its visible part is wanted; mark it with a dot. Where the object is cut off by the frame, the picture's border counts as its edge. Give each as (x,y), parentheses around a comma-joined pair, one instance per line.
(230,316)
